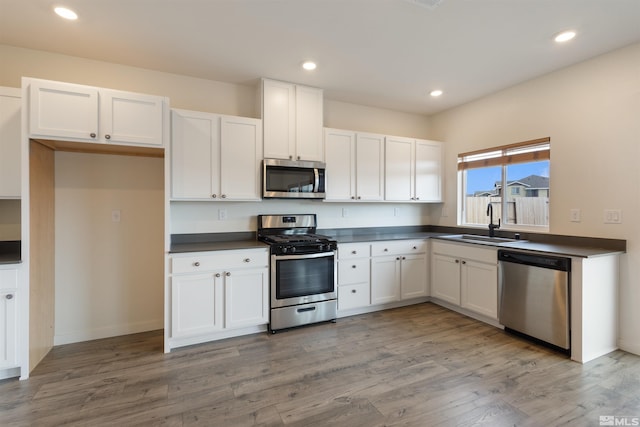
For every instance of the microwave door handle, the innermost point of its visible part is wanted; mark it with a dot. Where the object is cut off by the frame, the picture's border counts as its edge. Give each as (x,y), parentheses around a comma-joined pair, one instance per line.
(316,184)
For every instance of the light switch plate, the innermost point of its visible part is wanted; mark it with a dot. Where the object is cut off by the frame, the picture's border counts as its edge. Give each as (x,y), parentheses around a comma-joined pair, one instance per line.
(612,216)
(222,214)
(575,215)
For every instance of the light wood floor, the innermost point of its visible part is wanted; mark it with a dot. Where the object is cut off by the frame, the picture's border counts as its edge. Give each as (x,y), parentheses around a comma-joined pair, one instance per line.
(415,366)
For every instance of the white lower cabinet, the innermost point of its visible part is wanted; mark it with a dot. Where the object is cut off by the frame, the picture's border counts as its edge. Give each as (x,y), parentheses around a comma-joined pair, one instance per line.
(373,274)
(353,276)
(398,270)
(465,275)
(217,292)
(8,319)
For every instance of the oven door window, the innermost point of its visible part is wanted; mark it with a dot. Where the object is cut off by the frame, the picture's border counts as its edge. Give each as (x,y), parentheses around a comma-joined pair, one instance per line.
(290,180)
(304,276)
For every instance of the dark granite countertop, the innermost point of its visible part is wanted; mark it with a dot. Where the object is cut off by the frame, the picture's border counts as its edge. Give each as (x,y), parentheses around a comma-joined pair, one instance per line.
(204,242)
(582,247)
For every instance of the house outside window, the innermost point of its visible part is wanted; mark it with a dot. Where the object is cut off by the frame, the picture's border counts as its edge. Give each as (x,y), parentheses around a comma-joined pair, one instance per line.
(522,169)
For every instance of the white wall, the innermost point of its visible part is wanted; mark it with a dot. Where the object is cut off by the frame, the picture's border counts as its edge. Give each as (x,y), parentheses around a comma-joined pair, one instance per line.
(9,219)
(591,111)
(109,276)
(202,217)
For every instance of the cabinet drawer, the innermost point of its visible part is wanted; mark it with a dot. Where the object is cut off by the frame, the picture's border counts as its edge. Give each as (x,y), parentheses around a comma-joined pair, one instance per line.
(353,296)
(353,250)
(353,271)
(466,250)
(222,260)
(398,247)
(8,278)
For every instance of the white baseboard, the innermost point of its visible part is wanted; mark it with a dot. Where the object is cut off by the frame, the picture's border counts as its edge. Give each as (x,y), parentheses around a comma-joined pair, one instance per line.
(107,332)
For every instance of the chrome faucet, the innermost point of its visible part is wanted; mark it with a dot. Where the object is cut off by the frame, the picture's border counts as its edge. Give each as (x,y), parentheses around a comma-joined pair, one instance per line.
(492,226)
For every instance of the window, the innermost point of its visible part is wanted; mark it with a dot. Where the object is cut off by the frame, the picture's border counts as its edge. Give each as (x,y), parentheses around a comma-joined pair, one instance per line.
(513,178)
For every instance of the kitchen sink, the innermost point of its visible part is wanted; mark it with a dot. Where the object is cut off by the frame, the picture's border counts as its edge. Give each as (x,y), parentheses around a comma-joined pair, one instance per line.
(474,238)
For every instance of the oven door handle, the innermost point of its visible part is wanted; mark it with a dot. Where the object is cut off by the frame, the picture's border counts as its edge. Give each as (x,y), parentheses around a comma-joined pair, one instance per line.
(303,256)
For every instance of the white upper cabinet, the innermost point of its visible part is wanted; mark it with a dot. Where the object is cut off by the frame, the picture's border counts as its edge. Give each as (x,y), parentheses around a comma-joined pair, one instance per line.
(70,112)
(10,106)
(369,166)
(340,156)
(292,120)
(354,165)
(413,170)
(215,157)
(428,171)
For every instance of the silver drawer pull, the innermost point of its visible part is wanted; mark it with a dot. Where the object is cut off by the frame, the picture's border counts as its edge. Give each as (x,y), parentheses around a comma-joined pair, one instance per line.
(353,291)
(354,252)
(196,264)
(10,296)
(353,266)
(247,260)
(386,250)
(217,274)
(415,247)
(227,274)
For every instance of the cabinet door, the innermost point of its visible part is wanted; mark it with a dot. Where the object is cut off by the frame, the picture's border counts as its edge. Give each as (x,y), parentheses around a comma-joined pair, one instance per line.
(369,167)
(385,279)
(479,286)
(278,119)
(196,304)
(309,124)
(340,152)
(353,296)
(246,298)
(428,171)
(131,118)
(445,278)
(413,276)
(63,111)
(194,150)
(10,105)
(8,329)
(398,170)
(240,157)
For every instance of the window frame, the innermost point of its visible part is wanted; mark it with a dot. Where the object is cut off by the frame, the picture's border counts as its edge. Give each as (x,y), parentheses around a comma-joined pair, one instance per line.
(522,152)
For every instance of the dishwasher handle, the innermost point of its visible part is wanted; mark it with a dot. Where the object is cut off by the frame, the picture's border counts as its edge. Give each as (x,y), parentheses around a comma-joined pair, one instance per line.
(536,260)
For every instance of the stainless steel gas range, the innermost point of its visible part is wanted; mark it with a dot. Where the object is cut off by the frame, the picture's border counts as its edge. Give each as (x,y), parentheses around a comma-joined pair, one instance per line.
(303,271)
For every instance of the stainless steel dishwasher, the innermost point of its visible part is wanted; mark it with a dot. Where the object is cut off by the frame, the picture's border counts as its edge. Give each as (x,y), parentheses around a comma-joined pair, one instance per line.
(534,296)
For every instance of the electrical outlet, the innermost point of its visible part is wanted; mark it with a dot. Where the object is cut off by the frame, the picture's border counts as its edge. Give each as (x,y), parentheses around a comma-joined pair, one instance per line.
(115,215)
(575,215)
(222,214)
(345,212)
(612,216)
(396,211)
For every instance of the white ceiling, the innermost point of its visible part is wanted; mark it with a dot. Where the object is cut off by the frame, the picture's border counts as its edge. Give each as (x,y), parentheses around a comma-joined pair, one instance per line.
(384,53)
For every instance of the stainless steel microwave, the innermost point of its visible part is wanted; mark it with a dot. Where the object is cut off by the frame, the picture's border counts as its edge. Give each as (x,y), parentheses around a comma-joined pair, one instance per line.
(293,179)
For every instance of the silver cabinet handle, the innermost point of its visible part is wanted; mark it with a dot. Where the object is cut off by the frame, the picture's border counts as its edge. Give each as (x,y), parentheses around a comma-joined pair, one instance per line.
(353,266)
(398,259)
(107,137)
(457,261)
(196,264)
(353,197)
(227,274)
(386,250)
(214,195)
(92,135)
(464,262)
(217,274)
(404,257)
(10,296)
(359,197)
(353,291)
(415,247)
(290,157)
(224,196)
(247,260)
(354,252)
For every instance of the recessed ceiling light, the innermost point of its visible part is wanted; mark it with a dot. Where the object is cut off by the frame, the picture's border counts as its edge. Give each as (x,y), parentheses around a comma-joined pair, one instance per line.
(66,13)
(565,36)
(436,93)
(309,65)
